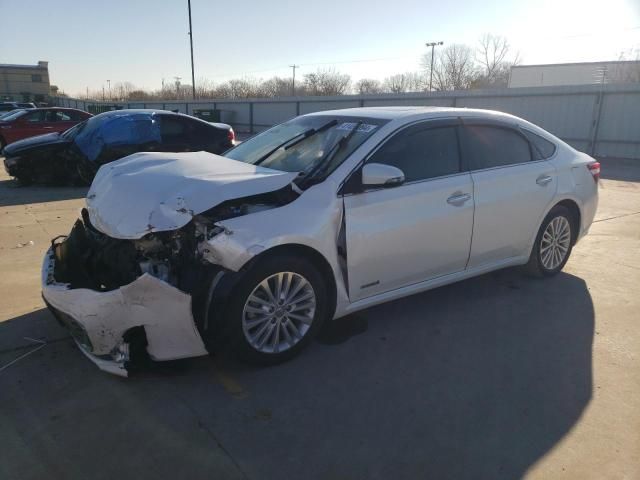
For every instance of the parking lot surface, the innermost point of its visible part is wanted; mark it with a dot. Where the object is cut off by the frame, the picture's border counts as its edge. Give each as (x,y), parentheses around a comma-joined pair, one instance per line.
(501,376)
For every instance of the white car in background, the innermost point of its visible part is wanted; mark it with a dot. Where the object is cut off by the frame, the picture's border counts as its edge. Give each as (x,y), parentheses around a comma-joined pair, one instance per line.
(180,254)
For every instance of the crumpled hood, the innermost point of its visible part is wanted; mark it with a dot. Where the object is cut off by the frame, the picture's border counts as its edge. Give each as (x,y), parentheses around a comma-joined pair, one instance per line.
(154,192)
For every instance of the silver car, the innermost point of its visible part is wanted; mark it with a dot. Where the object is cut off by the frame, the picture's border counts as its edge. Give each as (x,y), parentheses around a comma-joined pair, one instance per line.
(181,254)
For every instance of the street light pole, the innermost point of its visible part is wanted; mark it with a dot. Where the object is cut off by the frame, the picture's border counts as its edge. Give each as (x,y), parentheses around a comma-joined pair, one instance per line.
(432,45)
(109,83)
(193,76)
(293,81)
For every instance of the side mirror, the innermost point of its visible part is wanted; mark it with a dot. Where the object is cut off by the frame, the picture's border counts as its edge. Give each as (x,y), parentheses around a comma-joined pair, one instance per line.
(378,174)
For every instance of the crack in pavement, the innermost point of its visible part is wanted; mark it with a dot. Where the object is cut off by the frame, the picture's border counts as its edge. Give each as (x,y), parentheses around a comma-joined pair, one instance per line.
(618,216)
(24,347)
(213,436)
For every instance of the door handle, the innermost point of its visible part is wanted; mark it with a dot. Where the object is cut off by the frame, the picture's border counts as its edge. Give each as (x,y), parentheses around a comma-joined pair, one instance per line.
(47,127)
(458,199)
(543,180)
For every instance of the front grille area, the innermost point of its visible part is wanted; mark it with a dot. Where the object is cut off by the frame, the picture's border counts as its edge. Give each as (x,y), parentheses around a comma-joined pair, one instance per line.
(88,258)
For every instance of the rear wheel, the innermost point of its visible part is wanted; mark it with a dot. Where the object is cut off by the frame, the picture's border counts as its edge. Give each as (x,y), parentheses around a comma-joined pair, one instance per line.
(274,311)
(24,179)
(553,244)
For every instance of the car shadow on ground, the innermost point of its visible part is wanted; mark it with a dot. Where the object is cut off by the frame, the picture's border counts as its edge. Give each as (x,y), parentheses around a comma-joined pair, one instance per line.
(475,380)
(12,193)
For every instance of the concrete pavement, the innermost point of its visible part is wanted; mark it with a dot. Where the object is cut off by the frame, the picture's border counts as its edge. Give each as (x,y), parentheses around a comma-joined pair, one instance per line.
(500,376)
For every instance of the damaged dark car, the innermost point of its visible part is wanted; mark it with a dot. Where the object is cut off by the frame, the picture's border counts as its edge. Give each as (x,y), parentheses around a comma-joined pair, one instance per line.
(74,156)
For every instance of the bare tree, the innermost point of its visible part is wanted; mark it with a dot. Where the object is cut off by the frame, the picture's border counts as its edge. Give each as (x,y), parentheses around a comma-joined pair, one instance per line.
(626,73)
(453,67)
(368,86)
(276,87)
(326,82)
(404,82)
(492,55)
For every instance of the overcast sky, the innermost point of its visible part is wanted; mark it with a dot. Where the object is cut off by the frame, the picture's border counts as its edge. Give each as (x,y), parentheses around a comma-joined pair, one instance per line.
(143,41)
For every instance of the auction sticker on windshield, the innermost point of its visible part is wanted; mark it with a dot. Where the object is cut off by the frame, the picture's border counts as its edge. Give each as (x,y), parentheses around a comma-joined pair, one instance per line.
(363,128)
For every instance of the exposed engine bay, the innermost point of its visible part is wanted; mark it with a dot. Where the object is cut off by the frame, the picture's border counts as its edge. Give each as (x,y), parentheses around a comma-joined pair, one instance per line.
(88,258)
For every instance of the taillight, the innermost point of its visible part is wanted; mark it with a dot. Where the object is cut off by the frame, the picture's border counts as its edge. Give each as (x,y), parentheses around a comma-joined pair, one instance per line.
(594,169)
(231,135)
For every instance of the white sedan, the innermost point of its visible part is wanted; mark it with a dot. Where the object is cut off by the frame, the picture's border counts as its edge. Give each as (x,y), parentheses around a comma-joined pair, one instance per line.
(182,254)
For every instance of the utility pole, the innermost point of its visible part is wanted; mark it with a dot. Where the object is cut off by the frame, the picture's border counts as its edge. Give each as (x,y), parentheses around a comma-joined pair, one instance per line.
(293,80)
(103,93)
(109,83)
(432,45)
(193,76)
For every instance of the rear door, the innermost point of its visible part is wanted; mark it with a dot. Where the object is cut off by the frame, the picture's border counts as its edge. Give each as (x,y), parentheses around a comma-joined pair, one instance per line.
(415,231)
(512,189)
(62,120)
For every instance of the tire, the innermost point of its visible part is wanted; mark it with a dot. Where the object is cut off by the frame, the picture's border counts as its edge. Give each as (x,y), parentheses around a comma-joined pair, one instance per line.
(548,258)
(24,180)
(237,331)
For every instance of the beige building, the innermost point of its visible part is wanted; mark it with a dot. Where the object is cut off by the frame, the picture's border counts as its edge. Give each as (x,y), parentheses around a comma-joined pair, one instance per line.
(24,83)
(587,73)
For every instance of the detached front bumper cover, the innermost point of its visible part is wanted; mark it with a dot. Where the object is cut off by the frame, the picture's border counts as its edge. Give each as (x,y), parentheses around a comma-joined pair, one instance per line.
(98,320)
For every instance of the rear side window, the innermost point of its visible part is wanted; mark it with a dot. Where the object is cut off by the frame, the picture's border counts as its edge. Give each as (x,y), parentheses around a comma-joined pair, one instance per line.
(487,147)
(543,147)
(173,129)
(422,152)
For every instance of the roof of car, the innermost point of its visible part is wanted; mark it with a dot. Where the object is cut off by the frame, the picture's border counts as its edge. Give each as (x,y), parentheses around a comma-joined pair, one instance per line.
(139,111)
(391,113)
(52,108)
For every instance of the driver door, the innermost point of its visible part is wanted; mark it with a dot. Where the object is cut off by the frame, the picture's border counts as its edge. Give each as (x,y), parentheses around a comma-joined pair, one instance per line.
(401,235)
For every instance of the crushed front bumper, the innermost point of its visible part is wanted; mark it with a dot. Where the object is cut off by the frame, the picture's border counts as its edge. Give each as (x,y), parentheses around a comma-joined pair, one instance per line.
(98,320)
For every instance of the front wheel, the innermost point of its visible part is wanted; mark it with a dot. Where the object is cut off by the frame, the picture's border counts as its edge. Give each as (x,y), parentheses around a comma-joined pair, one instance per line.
(274,311)
(553,244)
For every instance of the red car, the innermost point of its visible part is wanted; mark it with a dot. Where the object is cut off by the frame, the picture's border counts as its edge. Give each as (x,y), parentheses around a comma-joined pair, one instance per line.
(21,124)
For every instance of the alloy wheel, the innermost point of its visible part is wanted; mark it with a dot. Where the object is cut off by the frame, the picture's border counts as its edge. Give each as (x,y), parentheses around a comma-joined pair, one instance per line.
(278,312)
(555,243)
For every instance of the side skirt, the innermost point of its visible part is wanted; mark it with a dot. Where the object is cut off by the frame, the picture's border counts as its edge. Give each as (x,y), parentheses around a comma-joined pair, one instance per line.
(429,284)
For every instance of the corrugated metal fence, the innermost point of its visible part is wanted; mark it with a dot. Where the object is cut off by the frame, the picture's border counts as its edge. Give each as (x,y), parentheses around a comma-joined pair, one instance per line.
(601,120)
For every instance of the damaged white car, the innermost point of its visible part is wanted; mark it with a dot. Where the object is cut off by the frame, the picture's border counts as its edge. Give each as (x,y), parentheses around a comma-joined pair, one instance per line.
(181,254)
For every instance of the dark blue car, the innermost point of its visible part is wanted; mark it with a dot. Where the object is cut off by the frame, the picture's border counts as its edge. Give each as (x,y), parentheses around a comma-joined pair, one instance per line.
(75,155)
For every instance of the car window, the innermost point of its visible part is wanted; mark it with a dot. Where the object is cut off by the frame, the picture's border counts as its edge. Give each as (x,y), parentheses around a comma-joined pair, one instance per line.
(62,116)
(543,147)
(421,152)
(35,117)
(173,129)
(487,147)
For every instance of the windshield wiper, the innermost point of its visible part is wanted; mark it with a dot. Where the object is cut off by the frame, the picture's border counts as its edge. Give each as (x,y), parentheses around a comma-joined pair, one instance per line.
(296,139)
(320,168)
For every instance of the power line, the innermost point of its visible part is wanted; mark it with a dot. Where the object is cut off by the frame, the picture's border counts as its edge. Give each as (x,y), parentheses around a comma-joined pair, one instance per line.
(312,65)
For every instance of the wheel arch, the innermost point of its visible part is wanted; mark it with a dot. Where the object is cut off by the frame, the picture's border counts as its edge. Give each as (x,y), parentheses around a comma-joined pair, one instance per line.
(576,215)
(311,254)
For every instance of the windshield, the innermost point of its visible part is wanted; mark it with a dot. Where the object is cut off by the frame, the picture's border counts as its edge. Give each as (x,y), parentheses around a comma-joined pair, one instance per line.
(12,115)
(305,155)
(73,131)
